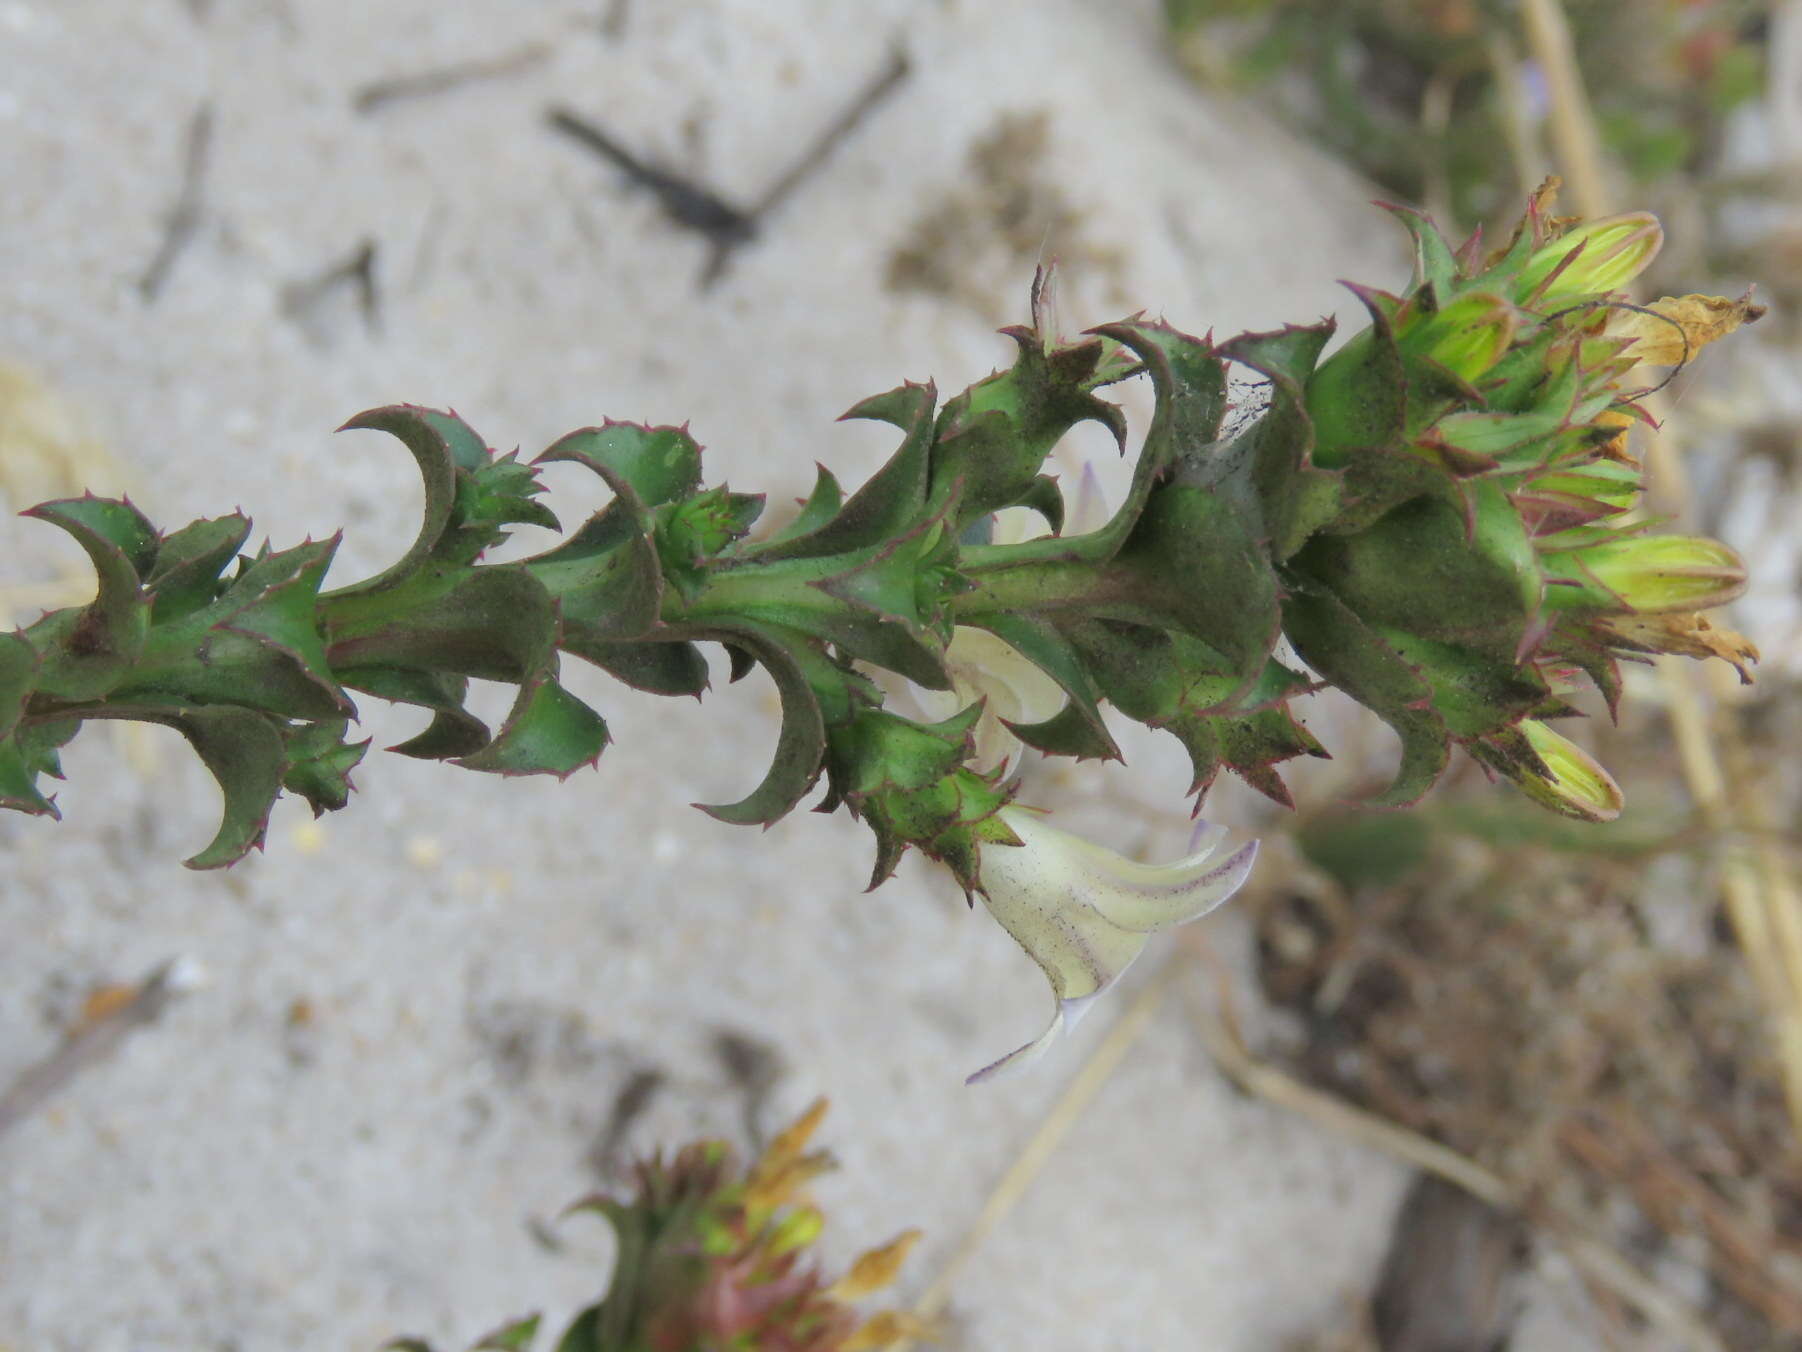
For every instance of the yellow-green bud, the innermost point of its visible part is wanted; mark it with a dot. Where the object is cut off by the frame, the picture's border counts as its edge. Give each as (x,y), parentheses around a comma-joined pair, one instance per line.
(1593,259)
(1652,573)
(1575,783)
(796,1230)
(1553,771)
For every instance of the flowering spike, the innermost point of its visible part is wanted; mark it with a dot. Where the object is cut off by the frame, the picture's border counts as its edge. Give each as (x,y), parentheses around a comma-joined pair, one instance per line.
(1433,517)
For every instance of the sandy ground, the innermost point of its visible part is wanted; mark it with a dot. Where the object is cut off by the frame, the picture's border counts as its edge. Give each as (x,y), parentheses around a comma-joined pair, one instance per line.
(413,1018)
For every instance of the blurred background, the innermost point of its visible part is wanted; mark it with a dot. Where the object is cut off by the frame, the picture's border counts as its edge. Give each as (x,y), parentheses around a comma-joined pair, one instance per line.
(1464,1078)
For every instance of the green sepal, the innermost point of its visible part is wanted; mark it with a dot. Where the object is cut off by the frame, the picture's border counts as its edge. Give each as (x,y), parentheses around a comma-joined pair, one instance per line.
(660,668)
(659,464)
(256,644)
(245,753)
(821,506)
(27,753)
(1518,439)
(878,751)
(438,442)
(548,732)
(1459,342)
(1068,732)
(909,579)
(1576,645)
(453,731)
(498,493)
(1358,397)
(1347,653)
(18,678)
(1196,559)
(1474,693)
(1043,496)
(1431,570)
(1174,682)
(890,501)
(1267,470)
(189,565)
(995,435)
(796,668)
(692,533)
(1249,745)
(320,762)
(86,652)
(1552,771)
(948,821)
(1435,266)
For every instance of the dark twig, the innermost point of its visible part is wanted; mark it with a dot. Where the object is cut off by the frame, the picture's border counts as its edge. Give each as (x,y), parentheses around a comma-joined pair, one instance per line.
(641,1086)
(300,298)
(816,154)
(89,1042)
(756,1069)
(398,88)
(184,216)
(686,202)
(842,126)
(701,209)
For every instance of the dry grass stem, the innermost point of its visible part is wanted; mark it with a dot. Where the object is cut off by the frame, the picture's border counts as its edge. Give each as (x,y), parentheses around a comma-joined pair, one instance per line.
(1598,1262)
(1037,1152)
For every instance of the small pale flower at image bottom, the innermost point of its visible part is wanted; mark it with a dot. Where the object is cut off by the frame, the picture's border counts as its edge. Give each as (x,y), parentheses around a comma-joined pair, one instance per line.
(1084,913)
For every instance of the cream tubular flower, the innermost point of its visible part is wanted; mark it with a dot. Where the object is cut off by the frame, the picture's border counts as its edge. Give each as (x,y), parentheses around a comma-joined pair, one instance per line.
(987,668)
(1083,912)
(983,667)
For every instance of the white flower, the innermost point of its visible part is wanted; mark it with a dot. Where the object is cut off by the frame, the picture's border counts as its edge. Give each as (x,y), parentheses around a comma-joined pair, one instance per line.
(983,667)
(1083,912)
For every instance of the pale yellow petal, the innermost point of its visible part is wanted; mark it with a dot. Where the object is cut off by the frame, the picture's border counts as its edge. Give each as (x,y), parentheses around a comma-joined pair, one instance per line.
(1679,327)
(1126,893)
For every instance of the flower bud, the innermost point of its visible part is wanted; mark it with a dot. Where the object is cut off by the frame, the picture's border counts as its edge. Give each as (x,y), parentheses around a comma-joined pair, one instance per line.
(1575,781)
(1650,573)
(1553,771)
(796,1230)
(1593,259)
